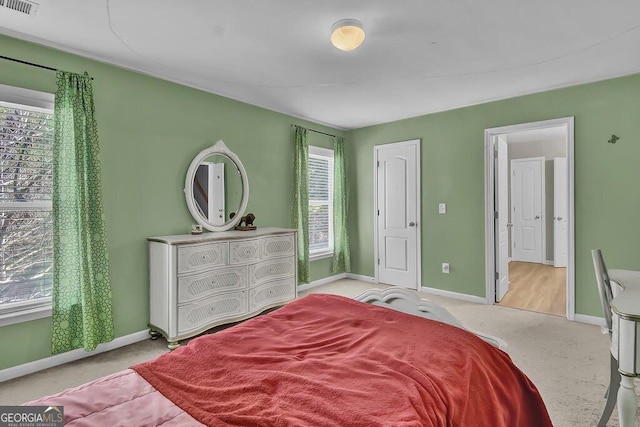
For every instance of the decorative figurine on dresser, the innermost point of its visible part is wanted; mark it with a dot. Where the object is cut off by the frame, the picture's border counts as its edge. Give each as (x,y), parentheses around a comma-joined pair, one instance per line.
(199,281)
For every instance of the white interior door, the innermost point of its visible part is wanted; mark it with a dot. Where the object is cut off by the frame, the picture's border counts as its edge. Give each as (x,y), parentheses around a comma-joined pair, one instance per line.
(201,184)
(208,192)
(397,181)
(502,206)
(217,212)
(560,212)
(527,208)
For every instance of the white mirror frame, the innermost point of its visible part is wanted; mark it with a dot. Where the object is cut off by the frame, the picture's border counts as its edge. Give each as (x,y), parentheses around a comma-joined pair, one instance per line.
(218,148)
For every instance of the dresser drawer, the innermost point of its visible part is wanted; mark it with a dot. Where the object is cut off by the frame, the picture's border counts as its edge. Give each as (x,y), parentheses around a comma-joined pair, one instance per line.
(211,282)
(281,290)
(241,252)
(276,246)
(198,257)
(208,311)
(271,269)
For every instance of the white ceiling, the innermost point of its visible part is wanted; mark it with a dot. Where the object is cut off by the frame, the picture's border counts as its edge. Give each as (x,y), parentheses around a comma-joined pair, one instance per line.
(419,56)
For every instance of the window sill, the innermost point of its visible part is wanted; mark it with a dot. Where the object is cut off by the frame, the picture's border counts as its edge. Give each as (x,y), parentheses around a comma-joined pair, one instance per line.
(33,311)
(320,255)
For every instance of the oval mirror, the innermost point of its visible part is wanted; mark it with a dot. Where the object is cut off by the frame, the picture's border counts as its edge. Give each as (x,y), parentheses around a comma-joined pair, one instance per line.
(216,185)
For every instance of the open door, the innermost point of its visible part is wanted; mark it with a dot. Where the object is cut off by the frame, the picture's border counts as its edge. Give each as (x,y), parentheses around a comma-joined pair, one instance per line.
(502,229)
(561,128)
(560,198)
(209,193)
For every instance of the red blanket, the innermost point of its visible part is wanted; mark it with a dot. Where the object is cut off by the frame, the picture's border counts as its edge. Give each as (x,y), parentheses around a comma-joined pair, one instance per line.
(325,360)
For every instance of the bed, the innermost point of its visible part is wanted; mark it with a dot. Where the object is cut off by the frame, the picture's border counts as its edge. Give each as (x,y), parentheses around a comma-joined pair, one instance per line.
(386,358)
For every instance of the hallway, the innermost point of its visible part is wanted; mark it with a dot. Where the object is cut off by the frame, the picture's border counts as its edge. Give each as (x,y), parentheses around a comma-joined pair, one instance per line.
(536,287)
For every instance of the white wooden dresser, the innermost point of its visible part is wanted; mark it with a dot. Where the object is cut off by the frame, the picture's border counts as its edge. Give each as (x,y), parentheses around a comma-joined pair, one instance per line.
(201,281)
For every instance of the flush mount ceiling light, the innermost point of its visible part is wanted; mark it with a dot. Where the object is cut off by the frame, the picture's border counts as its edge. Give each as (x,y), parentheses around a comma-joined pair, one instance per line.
(347,34)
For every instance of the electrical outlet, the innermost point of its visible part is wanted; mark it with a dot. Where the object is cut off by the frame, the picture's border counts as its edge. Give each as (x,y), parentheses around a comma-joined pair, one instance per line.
(445,267)
(196,229)
(442,208)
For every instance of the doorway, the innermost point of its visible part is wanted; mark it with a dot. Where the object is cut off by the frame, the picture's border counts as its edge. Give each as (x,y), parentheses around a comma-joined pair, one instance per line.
(397,213)
(530,235)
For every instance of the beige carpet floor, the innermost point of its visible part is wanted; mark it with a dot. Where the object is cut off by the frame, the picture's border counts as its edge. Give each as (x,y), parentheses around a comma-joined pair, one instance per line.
(568,361)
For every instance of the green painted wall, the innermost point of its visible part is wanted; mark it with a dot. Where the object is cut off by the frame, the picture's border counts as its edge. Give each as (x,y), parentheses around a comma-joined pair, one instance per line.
(607,182)
(150,130)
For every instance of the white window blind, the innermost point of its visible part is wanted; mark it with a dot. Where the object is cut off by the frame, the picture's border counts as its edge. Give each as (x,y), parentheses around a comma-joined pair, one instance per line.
(26,178)
(320,201)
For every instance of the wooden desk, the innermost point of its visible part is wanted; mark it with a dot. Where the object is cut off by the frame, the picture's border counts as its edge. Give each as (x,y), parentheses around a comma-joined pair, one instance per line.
(625,337)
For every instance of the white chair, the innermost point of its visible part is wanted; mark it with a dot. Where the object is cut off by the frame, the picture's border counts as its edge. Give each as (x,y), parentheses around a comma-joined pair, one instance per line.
(606,295)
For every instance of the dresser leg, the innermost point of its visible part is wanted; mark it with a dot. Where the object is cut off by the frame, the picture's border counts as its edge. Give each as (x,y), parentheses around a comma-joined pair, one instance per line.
(173,345)
(627,402)
(154,334)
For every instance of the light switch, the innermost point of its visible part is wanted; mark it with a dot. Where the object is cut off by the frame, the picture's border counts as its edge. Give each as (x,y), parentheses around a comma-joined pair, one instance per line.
(442,208)
(445,267)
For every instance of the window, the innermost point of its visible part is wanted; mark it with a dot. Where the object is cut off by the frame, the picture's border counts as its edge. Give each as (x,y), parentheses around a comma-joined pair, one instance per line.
(26,182)
(320,202)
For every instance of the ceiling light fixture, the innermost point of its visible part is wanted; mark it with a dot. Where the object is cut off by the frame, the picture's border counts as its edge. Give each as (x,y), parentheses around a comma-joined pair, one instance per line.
(347,34)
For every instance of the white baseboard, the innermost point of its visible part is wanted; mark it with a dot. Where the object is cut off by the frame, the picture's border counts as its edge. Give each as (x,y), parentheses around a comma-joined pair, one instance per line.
(70,356)
(320,282)
(591,320)
(548,262)
(333,278)
(361,278)
(456,295)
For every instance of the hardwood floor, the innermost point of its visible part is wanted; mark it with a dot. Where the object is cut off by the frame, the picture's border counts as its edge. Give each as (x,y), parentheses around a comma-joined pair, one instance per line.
(536,287)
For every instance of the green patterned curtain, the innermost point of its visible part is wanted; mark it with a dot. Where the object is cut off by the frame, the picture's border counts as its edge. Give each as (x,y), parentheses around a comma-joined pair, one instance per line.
(82,309)
(300,208)
(341,258)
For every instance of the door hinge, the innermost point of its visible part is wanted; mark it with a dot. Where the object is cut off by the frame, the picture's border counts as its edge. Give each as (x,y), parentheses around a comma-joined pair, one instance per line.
(378,261)
(378,163)
(378,212)
(495,214)
(497,275)
(495,153)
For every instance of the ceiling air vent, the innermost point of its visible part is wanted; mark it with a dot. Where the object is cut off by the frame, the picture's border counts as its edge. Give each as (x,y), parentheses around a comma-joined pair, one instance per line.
(22,6)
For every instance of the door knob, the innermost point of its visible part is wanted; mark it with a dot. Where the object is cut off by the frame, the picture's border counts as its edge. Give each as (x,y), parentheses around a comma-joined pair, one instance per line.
(412,224)
(537,217)
(559,218)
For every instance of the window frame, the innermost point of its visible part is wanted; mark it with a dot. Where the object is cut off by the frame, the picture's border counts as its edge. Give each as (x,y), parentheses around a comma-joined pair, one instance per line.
(325,154)
(24,311)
